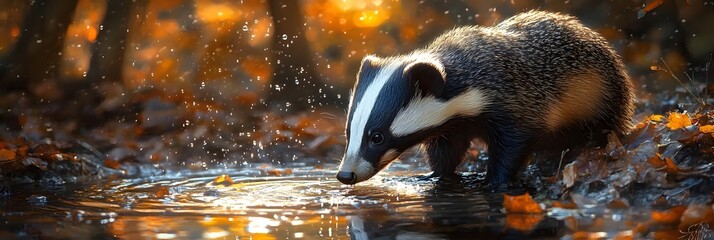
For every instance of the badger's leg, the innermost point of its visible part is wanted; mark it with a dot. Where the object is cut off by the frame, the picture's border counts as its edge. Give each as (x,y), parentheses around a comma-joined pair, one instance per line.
(446,152)
(508,151)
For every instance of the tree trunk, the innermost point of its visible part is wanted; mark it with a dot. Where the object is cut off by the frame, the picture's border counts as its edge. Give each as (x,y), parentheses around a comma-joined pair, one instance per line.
(36,56)
(108,51)
(296,83)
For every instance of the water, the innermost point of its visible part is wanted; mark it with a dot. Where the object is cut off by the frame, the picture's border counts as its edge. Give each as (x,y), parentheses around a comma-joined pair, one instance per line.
(307,203)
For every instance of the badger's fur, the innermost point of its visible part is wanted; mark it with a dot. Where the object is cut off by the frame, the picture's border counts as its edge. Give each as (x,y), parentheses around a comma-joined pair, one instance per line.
(534,81)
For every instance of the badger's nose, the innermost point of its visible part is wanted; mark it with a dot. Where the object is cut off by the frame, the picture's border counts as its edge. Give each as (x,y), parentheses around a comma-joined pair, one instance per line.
(346,177)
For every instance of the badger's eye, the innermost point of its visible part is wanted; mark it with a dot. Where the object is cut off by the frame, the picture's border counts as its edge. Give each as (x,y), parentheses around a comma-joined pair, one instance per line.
(376,138)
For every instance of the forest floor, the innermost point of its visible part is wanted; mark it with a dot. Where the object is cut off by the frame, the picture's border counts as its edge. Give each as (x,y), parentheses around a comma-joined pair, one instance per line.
(666,162)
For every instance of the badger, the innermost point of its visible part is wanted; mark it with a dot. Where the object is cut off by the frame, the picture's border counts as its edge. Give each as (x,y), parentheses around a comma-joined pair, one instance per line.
(536,81)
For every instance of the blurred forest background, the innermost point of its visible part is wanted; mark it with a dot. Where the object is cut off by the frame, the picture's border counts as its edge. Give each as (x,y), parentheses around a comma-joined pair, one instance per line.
(112,83)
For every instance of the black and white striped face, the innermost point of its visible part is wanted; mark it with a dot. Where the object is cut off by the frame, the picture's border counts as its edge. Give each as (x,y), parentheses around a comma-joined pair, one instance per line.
(395,104)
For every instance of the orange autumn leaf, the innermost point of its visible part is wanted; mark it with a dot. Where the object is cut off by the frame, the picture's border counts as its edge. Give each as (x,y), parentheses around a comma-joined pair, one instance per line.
(656,161)
(678,120)
(521,204)
(669,216)
(671,167)
(6,154)
(523,222)
(162,193)
(649,7)
(652,5)
(656,118)
(706,129)
(223,180)
(278,172)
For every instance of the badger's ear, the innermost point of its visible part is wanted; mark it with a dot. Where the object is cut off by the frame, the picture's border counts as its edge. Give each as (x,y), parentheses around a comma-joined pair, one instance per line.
(427,75)
(369,61)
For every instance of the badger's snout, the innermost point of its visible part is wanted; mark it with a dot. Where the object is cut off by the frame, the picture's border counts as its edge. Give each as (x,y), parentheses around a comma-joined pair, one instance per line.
(353,170)
(347,177)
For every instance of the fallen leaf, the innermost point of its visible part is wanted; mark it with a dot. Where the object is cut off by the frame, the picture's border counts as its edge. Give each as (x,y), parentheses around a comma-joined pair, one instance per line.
(706,129)
(278,172)
(696,217)
(618,204)
(162,193)
(669,216)
(678,120)
(521,204)
(565,205)
(113,164)
(223,180)
(523,222)
(655,118)
(671,167)
(649,7)
(656,161)
(6,154)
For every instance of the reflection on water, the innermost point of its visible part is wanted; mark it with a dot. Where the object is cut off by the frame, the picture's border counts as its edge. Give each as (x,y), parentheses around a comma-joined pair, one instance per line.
(308,204)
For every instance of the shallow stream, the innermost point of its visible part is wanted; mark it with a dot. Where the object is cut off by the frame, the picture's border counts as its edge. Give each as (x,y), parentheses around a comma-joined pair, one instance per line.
(302,202)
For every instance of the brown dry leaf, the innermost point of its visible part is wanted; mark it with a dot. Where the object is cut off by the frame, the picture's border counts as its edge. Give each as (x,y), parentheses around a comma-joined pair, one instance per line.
(566,205)
(678,120)
(617,204)
(696,216)
(669,216)
(671,167)
(155,157)
(656,161)
(666,235)
(521,204)
(223,180)
(7,154)
(162,193)
(706,129)
(113,164)
(278,172)
(523,222)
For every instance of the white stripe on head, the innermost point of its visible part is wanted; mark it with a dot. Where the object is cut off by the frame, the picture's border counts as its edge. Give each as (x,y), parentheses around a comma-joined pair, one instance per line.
(362,113)
(425,112)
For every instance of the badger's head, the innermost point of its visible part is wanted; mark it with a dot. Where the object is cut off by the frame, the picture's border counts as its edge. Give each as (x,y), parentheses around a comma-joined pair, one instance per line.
(389,112)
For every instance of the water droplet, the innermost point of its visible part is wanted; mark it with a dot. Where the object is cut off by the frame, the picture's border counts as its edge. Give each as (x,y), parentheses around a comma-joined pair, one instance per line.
(285,37)
(245,28)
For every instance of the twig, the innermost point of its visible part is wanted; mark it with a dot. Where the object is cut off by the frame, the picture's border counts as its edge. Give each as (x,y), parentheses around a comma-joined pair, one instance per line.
(680,82)
(560,164)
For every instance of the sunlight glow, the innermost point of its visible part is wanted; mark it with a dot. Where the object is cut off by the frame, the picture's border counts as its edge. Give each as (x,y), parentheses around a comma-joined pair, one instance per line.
(165,236)
(214,233)
(261,224)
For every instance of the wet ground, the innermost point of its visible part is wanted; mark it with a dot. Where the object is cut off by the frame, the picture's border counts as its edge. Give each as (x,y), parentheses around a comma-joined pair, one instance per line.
(305,203)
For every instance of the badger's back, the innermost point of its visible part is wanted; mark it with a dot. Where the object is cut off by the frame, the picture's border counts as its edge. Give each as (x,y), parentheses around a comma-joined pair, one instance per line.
(544,70)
